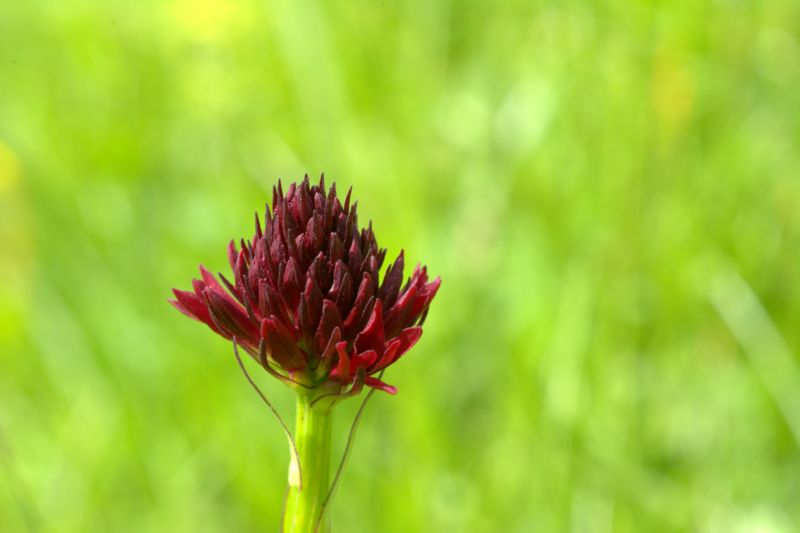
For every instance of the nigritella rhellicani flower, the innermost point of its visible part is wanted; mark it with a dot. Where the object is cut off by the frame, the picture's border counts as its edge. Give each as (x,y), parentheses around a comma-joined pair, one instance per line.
(305,298)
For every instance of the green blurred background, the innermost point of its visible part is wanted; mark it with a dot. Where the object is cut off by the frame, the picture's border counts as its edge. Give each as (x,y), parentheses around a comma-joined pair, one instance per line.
(609,190)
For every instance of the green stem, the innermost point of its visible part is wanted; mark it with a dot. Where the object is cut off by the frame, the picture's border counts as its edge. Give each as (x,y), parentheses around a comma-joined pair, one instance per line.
(304,502)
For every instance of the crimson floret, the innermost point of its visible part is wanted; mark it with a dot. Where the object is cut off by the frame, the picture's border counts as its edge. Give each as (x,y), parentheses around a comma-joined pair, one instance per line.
(306,301)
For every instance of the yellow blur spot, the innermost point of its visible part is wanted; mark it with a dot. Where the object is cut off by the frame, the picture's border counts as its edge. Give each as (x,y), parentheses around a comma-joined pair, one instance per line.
(672,95)
(208,20)
(9,168)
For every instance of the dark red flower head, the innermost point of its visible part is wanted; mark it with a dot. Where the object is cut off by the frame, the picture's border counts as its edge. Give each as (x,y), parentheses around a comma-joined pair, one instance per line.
(306,300)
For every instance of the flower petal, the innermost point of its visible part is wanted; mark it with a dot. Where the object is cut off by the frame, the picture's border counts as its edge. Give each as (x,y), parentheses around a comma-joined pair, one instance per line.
(365,291)
(341,372)
(233,254)
(231,317)
(398,346)
(291,287)
(313,298)
(372,336)
(330,319)
(281,344)
(194,307)
(330,349)
(209,279)
(365,359)
(375,383)
(392,281)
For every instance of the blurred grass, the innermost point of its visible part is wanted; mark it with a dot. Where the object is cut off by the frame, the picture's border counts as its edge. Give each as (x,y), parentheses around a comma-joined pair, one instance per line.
(609,191)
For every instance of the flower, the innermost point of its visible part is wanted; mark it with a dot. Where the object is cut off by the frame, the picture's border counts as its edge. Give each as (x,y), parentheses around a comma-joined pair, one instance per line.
(306,301)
